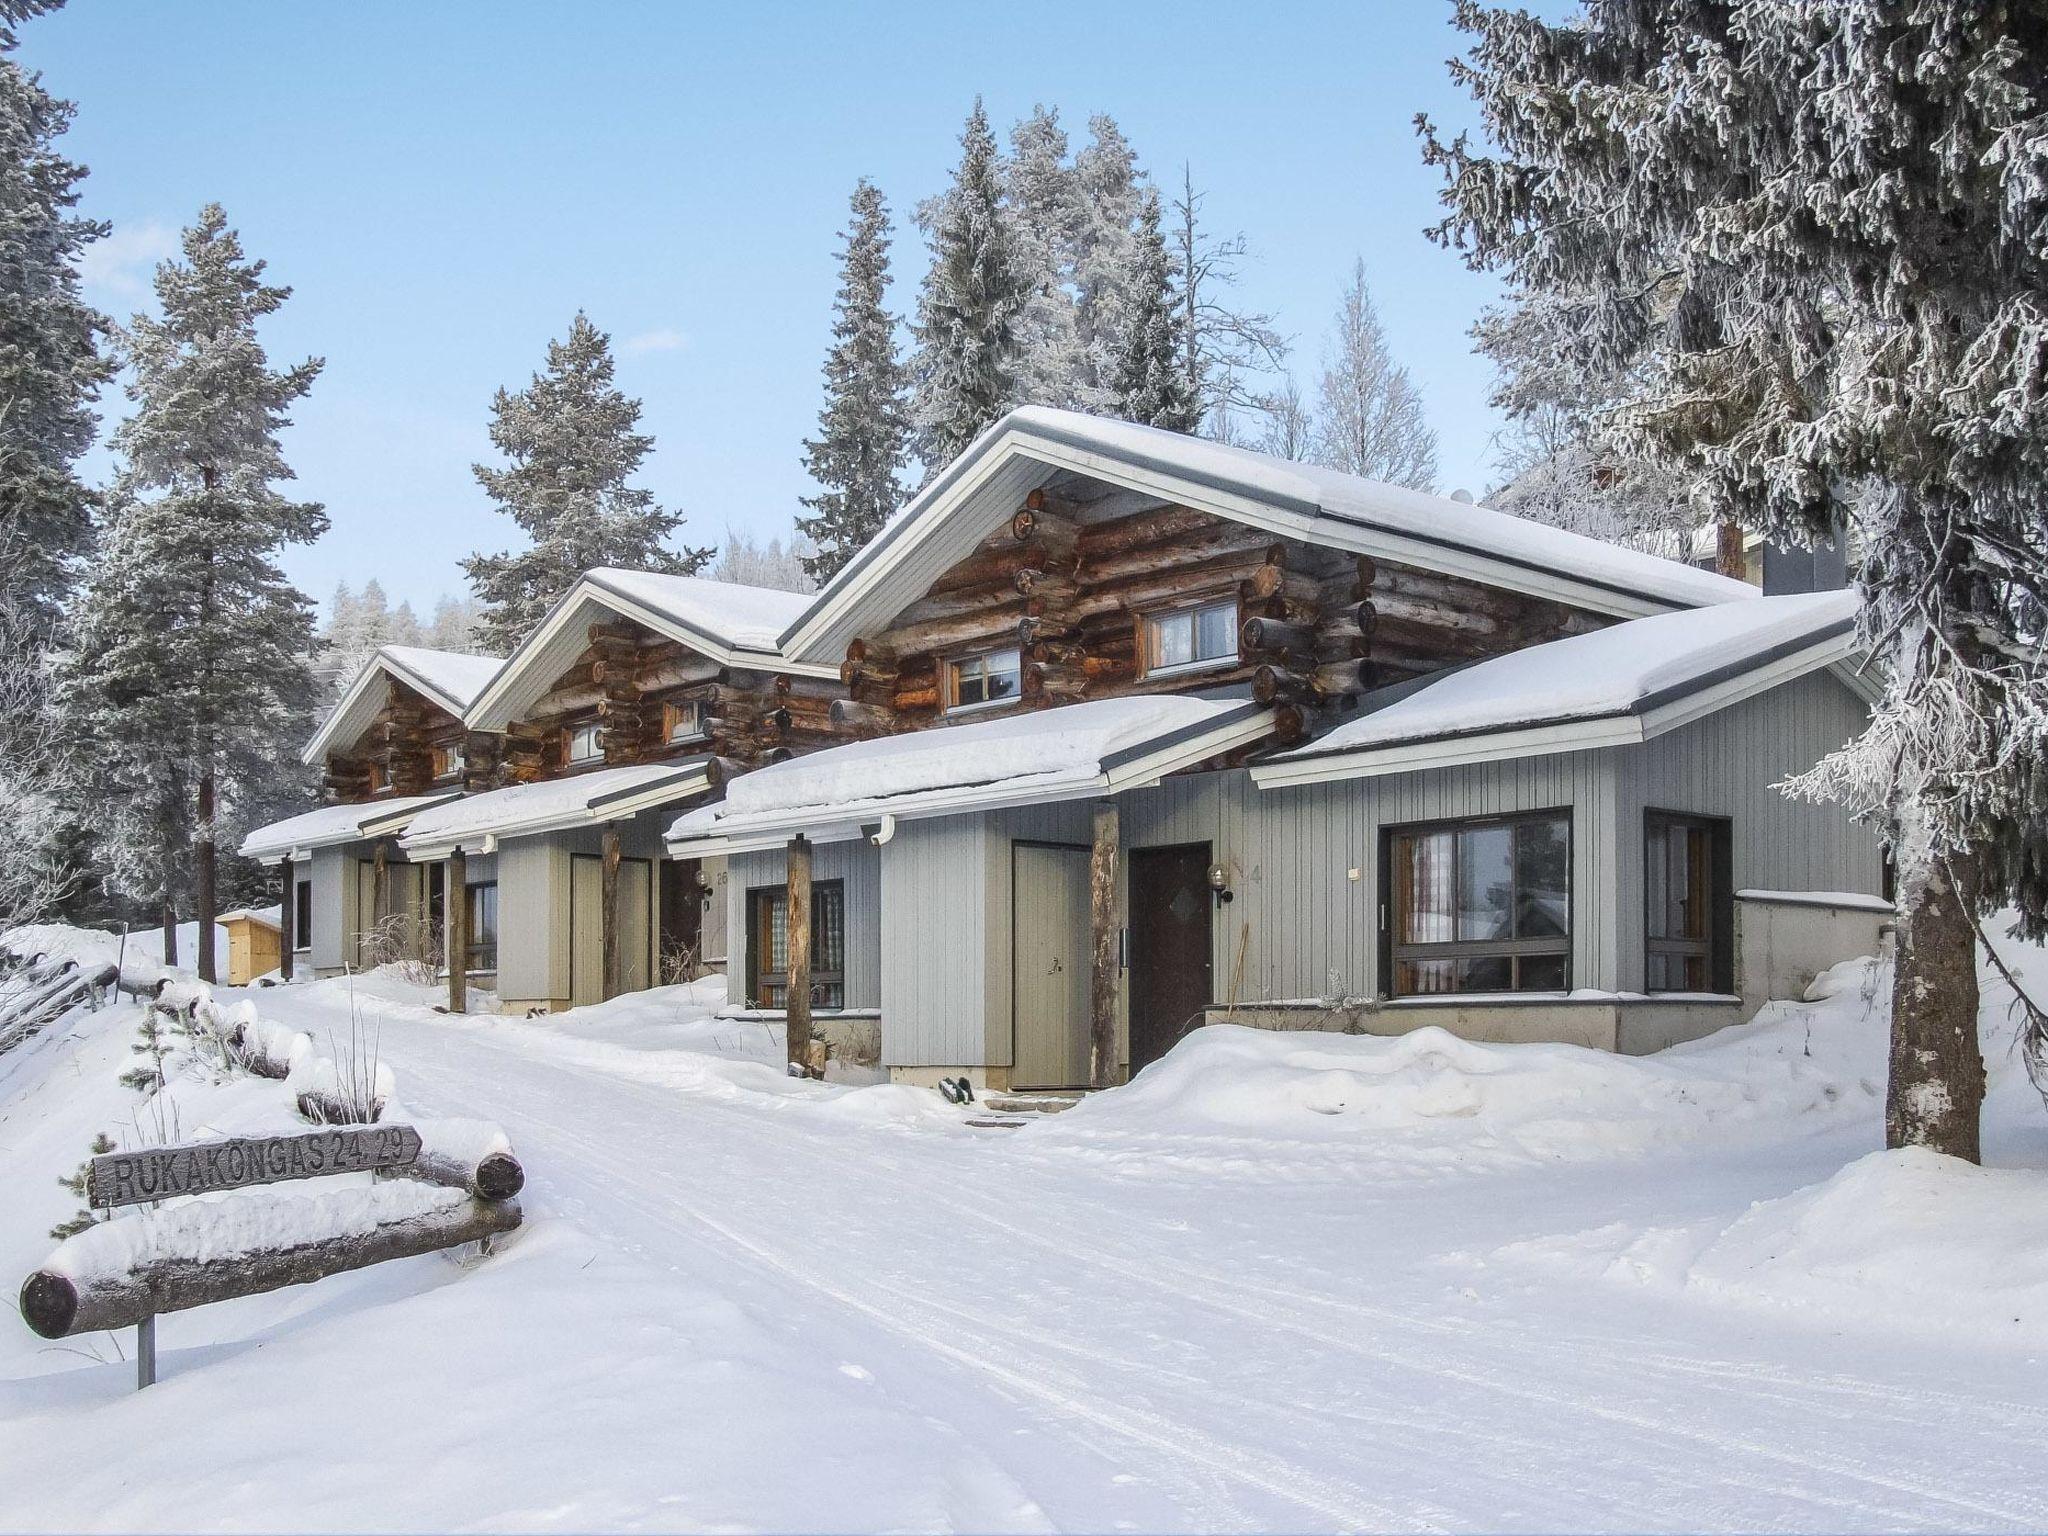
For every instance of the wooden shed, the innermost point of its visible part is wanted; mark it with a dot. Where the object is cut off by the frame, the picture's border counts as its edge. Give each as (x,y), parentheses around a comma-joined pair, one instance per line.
(252,944)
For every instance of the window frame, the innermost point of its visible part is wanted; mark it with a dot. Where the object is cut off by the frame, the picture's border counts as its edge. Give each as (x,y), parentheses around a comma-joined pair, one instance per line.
(1392,953)
(673,713)
(1149,621)
(380,776)
(1717,947)
(477,952)
(570,733)
(950,673)
(761,900)
(302,915)
(448,761)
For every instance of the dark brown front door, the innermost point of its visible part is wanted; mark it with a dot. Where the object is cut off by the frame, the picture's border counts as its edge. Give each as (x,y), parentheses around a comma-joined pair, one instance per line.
(1170,963)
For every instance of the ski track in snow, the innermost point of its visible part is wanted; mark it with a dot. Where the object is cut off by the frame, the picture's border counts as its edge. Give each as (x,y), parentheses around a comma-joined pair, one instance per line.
(1243,1402)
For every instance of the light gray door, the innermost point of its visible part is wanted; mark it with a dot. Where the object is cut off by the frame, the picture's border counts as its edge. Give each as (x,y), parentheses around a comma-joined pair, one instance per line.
(1049,966)
(586,926)
(636,911)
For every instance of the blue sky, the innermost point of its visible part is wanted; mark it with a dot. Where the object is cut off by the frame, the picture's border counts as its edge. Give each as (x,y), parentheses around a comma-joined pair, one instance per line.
(445,185)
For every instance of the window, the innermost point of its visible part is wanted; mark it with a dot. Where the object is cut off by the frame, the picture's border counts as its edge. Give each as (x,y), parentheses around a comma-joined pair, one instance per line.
(302,914)
(1480,906)
(1191,637)
(482,954)
(973,681)
(583,743)
(448,761)
(1690,913)
(380,777)
(682,721)
(768,945)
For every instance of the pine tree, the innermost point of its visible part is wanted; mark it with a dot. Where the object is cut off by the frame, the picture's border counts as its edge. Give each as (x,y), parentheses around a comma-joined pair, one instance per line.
(864,429)
(1804,245)
(1150,385)
(51,363)
(1369,413)
(1041,204)
(189,666)
(965,368)
(571,439)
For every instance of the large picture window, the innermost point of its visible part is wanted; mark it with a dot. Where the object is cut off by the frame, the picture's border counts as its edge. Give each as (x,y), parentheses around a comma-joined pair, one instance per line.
(768,945)
(1480,906)
(482,954)
(972,681)
(1189,638)
(1689,918)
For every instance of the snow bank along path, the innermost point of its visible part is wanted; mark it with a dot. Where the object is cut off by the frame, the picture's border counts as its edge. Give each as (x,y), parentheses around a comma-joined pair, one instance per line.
(1161,1321)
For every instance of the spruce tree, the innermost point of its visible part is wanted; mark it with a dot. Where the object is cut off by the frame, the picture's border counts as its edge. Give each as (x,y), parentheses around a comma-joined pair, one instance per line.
(1803,249)
(864,429)
(189,667)
(572,443)
(1041,204)
(1151,386)
(1108,189)
(965,370)
(51,362)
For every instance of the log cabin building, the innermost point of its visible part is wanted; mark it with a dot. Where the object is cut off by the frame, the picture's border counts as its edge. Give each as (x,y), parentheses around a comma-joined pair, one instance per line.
(1111,731)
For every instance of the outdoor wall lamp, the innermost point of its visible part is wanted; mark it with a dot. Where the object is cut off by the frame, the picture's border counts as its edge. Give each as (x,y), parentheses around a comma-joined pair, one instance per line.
(1219,882)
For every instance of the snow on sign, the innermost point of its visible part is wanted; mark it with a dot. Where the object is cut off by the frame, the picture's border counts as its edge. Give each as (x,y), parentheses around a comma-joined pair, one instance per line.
(157,1173)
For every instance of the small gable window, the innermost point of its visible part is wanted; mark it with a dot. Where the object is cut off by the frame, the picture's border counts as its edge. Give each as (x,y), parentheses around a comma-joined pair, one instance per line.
(682,720)
(448,761)
(992,678)
(583,744)
(1191,637)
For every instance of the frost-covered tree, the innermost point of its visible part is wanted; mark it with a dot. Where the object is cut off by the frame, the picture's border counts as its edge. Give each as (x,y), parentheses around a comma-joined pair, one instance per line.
(1554,471)
(39,780)
(1810,242)
(751,562)
(1042,206)
(189,669)
(454,626)
(1108,192)
(1150,384)
(1228,355)
(1369,417)
(864,430)
(965,369)
(1290,424)
(51,362)
(572,441)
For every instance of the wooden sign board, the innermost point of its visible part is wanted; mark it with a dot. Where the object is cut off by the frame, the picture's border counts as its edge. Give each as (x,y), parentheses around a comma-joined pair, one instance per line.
(157,1173)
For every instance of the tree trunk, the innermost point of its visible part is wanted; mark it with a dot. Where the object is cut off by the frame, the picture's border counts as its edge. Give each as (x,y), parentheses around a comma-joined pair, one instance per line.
(287,913)
(206,900)
(797,1004)
(1102,924)
(1937,1067)
(455,921)
(608,912)
(170,916)
(1730,559)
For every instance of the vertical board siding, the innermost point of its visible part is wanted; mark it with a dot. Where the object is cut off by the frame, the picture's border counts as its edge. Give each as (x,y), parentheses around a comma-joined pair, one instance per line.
(533,920)
(1726,765)
(331,876)
(936,961)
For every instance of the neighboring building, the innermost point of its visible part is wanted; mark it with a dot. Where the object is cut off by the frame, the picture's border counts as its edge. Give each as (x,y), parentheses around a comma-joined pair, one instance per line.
(253,947)
(1112,730)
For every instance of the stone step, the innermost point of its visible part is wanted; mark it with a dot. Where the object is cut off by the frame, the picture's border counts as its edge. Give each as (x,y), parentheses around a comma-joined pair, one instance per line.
(1029,1103)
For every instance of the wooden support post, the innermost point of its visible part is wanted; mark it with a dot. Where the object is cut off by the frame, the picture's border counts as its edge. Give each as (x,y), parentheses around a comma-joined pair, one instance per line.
(798,1002)
(380,889)
(287,918)
(455,922)
(608,906)
(1104,963)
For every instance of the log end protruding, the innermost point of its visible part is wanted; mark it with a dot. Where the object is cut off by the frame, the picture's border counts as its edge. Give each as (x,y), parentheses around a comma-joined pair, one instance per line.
(49,1303)
(498,1177)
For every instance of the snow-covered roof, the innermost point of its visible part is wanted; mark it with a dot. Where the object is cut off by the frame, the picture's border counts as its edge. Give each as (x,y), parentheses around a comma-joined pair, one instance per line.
(333,824)
(270,917)
(732,624)
(1030,445)
(479,822)
(449,680)
(1101,746)
(1623,684)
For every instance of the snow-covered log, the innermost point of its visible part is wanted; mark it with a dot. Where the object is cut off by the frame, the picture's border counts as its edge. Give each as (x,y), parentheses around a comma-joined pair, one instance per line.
(268,1050)
(118,1273)
(472,1155)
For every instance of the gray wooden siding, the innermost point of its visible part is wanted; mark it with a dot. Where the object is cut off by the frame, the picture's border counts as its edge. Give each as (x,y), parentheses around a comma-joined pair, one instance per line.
(534,908)
(333,898)
(1725,765)
(859,865)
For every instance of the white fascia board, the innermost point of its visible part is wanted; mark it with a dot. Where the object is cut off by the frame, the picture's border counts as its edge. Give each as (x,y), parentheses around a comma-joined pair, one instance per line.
(1745,685)
(1448,752)
(772,829)
(621,808)
(368,829)
(323,739)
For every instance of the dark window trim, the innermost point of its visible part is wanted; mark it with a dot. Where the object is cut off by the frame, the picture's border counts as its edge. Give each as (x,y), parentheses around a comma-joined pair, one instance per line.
(302,914)
(758,896)
(476,955)
(1719,945)
(1482,949)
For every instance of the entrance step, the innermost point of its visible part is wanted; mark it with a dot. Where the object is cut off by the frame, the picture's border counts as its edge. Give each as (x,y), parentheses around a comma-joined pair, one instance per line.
(1029,1103)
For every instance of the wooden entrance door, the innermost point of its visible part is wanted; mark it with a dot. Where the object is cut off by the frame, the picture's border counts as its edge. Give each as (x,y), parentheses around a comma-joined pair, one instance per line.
(586,926)
(1049,966)
(1171,963)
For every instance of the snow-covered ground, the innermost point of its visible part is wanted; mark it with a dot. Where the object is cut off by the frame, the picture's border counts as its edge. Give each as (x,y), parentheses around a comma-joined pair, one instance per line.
(1279,1282)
